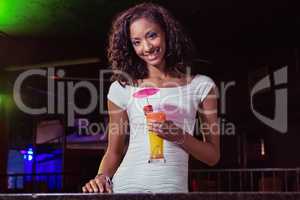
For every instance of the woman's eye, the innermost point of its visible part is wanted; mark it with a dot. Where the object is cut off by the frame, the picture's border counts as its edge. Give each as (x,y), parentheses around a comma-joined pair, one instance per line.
(152,35)
(135,43)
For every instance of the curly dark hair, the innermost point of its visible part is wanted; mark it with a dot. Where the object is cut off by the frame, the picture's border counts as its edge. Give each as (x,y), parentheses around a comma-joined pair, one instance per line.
(120,51)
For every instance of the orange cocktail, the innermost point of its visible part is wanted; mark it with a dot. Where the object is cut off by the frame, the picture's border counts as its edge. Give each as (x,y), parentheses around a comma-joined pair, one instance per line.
(156,142)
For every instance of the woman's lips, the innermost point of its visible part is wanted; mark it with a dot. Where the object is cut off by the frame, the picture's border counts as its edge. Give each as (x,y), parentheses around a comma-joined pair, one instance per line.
(153,55)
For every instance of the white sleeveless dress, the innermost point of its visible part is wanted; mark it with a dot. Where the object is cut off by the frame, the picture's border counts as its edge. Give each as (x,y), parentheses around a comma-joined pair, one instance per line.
(135,174)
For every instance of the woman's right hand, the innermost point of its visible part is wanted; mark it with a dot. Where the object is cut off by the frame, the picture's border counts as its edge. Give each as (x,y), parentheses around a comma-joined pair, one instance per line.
(100,183)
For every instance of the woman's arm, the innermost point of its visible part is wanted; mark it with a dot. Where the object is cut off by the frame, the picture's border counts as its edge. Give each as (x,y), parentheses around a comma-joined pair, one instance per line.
(118,122)
(208,151)
(117,127)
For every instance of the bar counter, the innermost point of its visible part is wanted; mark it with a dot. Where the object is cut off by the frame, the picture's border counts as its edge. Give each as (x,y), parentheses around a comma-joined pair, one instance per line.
(156,196)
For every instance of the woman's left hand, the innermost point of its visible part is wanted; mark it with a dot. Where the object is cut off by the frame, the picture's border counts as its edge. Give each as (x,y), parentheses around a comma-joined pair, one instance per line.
(168,131)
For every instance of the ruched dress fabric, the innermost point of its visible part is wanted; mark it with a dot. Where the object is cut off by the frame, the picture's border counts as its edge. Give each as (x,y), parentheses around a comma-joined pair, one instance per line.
(135,174)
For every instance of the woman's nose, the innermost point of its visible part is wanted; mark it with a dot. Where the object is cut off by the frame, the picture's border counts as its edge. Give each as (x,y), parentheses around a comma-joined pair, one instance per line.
(148,47)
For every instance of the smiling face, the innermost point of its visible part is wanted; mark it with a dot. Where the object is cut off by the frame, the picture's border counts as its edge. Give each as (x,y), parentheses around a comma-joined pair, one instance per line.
(148,41)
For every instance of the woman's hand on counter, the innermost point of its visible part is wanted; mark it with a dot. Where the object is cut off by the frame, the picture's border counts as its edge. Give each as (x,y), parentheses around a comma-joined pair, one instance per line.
(100,184)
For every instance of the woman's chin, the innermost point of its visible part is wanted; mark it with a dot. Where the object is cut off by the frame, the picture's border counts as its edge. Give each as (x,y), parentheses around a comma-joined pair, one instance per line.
(155,63)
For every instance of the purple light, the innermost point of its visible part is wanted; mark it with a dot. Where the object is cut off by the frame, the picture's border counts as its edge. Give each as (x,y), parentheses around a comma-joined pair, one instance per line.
(23,152)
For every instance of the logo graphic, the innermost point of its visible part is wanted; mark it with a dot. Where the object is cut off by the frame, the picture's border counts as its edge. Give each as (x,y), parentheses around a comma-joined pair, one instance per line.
(279,123)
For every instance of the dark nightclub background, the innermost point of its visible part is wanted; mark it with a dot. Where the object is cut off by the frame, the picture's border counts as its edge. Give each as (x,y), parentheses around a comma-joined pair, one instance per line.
(238,44)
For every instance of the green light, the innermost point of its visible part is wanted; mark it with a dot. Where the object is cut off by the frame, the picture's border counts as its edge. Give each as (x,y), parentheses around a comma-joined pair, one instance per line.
(6,104)
(1,104)
(23,16)
(8,11)
(2,100)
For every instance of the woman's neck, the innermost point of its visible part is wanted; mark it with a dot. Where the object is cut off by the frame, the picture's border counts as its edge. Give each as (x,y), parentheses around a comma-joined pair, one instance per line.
(157,72)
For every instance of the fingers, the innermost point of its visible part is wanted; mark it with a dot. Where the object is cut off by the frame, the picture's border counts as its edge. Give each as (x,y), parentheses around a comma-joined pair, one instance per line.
(99,185)
(168,127)
(166,130)
(162,127)
(92,186)
(84,189)
(155,126)
(87,188)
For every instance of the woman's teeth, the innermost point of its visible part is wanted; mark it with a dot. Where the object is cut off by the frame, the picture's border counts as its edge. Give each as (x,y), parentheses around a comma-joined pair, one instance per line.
(154,54)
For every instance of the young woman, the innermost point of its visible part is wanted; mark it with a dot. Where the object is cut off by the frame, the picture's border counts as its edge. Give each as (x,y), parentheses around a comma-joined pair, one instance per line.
(148,48)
